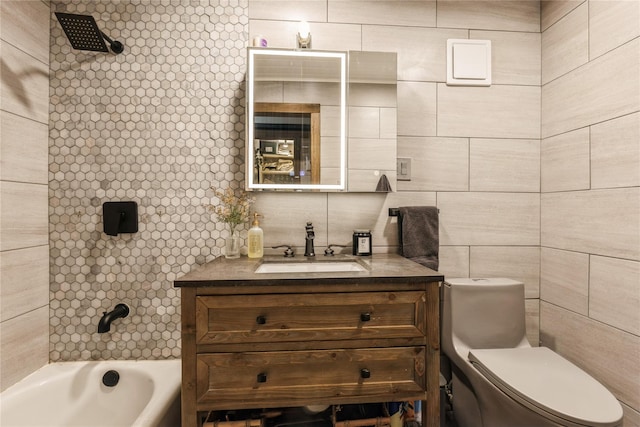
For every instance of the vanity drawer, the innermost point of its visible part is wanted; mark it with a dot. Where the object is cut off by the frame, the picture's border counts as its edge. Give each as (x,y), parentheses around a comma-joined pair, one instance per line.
(302,377)
(309,317)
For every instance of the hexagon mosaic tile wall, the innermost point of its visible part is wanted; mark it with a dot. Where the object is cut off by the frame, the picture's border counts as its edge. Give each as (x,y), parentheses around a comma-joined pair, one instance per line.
(159,124)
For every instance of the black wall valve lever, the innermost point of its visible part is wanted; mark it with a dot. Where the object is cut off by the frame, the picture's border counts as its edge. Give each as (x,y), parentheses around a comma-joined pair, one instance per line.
(120,217)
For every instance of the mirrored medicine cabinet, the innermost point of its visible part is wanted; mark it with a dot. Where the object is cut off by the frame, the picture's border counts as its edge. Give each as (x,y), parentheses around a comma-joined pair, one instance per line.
(320,120)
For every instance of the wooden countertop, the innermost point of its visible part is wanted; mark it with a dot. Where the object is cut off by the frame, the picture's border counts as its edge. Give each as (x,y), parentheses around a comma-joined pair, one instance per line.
(238,272)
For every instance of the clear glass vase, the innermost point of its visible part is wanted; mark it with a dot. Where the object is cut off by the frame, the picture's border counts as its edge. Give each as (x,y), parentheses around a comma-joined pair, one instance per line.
(232,244)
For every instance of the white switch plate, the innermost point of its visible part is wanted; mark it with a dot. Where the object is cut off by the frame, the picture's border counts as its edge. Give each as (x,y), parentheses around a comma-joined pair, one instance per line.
(403,169)
(468,62)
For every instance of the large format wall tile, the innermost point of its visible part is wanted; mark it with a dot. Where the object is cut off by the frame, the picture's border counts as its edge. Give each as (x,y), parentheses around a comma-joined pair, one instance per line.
(324,36)
(515,56)
(24,153)
(489,219)
(532,320)
(553,10)
(27,338)
(24,281)
(564,279)
(504,165)
(602,222)
(402,13)
(289,10)
(615,283)
(25,24)
(597,91)
(24,87)
(417,107)
(564,161)
(514,262)
(608,354)
(521,15)
(454,261)
(432,163)
(421,51)
(489,112)
(347,212)
(286,214)
(611,24)
(24,215)
(565,46)
(615,152)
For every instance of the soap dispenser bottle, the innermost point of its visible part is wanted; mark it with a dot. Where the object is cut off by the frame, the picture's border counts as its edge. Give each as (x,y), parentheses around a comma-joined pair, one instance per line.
(256,239)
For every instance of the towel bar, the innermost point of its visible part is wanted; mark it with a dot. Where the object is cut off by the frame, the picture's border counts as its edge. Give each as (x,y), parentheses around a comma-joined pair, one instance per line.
(396,211)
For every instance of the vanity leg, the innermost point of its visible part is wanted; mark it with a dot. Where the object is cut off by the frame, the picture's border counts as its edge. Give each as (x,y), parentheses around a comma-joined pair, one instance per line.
(431,407)
(188,395)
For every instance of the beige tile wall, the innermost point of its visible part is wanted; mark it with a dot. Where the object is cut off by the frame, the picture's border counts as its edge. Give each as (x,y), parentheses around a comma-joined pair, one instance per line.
(590,202)
(475,151)
(24,254)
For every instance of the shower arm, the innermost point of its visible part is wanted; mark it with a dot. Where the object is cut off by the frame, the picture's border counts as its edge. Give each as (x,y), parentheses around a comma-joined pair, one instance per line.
(115,45)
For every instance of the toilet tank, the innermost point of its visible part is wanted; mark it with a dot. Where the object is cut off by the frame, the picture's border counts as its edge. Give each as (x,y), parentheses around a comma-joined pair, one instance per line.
(483,313)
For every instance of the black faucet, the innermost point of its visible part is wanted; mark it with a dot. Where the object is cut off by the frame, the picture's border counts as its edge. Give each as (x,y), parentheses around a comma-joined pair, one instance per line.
(308,248)
(120,311)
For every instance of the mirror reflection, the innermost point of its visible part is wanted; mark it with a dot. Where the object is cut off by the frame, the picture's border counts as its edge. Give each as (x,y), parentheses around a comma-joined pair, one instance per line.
(296,105)
(302,130)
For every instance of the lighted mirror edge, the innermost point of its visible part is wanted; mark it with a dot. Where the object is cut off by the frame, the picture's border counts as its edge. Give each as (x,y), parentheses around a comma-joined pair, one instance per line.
(343,118)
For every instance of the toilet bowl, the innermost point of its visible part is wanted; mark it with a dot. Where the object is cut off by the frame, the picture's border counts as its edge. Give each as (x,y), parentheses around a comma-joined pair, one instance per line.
(498,379)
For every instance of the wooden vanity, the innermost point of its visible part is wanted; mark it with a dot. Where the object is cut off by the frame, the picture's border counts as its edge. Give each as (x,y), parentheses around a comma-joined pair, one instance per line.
(292,339)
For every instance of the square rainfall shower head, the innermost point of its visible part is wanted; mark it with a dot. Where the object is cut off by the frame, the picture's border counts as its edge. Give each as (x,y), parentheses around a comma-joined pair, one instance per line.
(82,31)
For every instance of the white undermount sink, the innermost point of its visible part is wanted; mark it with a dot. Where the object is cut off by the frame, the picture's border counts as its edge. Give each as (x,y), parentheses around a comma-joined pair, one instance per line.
(309,267)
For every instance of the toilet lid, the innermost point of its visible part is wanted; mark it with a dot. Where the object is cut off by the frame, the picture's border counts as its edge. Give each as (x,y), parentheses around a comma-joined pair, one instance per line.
(546,382)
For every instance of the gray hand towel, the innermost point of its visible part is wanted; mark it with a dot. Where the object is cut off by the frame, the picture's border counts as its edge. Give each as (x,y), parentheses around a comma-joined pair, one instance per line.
(419,240)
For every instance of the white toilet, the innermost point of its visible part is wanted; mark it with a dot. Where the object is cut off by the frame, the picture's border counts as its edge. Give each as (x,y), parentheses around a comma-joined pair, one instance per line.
(498,379)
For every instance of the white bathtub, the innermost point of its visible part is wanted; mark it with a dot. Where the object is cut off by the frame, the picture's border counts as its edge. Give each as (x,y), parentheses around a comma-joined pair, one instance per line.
(70,394)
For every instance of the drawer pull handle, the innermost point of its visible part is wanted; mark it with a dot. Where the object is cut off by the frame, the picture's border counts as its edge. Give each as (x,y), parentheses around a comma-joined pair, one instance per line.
(365,373)
(261,320)
(365,317)
(262,377)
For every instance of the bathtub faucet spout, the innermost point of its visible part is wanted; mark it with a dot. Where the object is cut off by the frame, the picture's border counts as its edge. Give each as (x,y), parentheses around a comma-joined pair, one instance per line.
(120,311)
